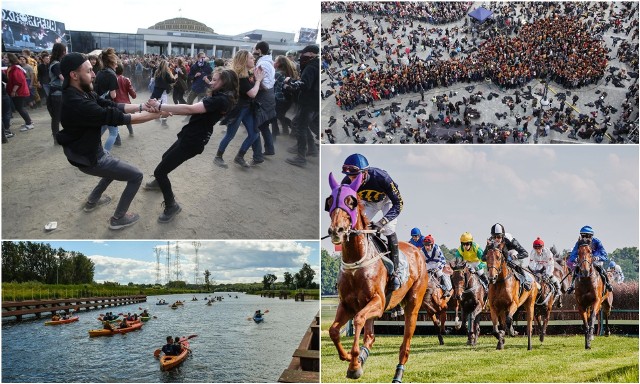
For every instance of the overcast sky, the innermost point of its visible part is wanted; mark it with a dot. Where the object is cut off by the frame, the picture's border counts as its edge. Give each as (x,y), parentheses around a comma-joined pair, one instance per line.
(226,18)
(228,261)
(548,191)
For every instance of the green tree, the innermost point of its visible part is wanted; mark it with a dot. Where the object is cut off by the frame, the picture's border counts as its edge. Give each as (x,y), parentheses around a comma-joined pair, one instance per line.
(330,266)
(207,282)
(288,280)
(304,277)
(268,280)
(627,258)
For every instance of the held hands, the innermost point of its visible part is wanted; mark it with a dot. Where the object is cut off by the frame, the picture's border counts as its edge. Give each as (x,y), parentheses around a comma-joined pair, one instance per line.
(154,106)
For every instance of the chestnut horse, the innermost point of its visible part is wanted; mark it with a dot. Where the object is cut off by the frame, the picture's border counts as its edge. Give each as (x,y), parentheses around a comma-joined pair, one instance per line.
(436,304)
(591,294)
(470,295)
(544,304)
(363,278)
(505,296)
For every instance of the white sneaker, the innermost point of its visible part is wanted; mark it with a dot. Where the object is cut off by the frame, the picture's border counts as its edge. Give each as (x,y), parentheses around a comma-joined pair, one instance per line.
(26,127)
(29,126)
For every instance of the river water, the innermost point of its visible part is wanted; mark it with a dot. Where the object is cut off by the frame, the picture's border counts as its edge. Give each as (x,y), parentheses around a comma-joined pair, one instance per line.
(229,347)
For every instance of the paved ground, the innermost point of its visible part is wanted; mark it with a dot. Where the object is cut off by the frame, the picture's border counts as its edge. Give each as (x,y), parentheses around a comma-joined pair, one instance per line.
(487,108)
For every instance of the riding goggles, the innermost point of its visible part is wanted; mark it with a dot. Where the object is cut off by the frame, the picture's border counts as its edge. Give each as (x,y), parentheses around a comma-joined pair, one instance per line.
(537,246)
(586,235)
(467,243)
(350,170)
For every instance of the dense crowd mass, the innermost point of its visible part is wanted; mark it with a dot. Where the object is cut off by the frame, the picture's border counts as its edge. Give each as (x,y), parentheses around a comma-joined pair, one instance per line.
(384,54)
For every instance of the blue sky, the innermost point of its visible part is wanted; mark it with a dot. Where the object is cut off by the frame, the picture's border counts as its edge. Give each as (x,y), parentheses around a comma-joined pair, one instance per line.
(127,16)
(228,261)
(549,191)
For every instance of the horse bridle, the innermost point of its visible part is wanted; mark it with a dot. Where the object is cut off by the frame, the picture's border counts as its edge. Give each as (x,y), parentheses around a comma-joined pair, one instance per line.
(590,263)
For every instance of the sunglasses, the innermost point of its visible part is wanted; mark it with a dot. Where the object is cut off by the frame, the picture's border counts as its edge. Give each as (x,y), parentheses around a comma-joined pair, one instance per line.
(469,243)
(586,235)
(350,169)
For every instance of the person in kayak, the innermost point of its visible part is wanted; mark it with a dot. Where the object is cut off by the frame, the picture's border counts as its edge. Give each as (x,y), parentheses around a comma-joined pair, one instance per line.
(168,349)
(55,317)
(124,323)
(177,345)
(108,326)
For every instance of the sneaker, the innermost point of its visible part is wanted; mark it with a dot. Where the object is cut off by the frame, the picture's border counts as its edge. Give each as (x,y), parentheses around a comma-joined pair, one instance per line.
(255,162)
(169,212)
(29,126)
(220,162)
(125,221)
(298,161)
(241,162)
(103,200)
(9,134)
(25,128)
(152,185)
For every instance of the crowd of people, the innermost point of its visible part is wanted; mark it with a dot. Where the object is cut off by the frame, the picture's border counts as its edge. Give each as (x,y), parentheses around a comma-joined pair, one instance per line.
(381,56)
(268,90)
(431,12)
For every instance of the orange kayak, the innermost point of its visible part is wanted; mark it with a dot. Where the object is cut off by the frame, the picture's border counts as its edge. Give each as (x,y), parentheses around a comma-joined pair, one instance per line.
(106,332)
(170,362)
(57,322)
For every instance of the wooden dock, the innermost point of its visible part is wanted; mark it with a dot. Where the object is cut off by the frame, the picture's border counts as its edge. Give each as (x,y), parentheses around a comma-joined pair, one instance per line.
(36,308)
(305,365)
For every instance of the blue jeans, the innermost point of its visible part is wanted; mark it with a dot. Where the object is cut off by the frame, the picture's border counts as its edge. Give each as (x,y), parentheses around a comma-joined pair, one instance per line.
(268,142)
(245,117)
(113,134)
(110,168)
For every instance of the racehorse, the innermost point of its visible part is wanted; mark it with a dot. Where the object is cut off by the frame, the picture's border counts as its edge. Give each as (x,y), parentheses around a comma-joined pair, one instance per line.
(505,294)
(436,304)
(470,295)
(543,305)
(590,293)
(363,278)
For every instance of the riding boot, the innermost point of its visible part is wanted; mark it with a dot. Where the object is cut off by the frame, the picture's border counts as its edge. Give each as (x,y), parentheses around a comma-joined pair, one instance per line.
(392,241)
(446,282)
(605,278)
(573,281)
(527,284)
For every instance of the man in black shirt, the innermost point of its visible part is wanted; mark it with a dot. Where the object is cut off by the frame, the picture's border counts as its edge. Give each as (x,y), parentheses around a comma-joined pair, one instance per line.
(83,114)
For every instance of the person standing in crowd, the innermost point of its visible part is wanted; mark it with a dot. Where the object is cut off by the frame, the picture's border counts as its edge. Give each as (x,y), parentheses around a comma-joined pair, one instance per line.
(265,100)
(180,86)
(54,101)
(249,85)
(198,72)
(83,116)
(30,75)
(284,100)
(308,91)
(163,81)
(43,75)
(18,90)
(106,85)
(124,91)
(194,136)
(6,110)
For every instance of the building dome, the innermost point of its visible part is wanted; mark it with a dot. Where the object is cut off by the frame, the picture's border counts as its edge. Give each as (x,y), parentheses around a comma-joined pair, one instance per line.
(182,24)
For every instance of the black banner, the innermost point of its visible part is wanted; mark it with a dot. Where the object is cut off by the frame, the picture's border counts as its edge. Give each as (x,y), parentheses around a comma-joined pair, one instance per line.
(20,31)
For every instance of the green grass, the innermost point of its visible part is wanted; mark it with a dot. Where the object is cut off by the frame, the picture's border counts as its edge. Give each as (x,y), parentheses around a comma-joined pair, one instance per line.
(560,359)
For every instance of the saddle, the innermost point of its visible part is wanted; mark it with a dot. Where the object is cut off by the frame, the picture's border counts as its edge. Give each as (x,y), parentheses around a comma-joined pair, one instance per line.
(383,250)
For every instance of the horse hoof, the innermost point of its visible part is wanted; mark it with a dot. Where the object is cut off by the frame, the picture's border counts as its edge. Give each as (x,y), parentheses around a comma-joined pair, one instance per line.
(354,374)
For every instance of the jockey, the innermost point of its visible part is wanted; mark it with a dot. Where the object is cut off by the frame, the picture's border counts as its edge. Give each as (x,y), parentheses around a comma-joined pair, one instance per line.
(379,194)
(541,262)
(472,254)
(598,252)
(618,276)
(514,250)
(435,263)
(416,239)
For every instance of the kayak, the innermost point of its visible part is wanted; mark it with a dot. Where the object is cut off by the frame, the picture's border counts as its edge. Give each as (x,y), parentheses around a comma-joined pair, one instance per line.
(174,307)
(106,332)
(162,303)
(116,320)
(57,322)
(170,362)
(178,303)
(258,319)
(144,318)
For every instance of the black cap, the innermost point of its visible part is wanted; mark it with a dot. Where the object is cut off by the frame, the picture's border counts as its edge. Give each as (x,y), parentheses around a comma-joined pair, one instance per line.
(69,63)
(311,48)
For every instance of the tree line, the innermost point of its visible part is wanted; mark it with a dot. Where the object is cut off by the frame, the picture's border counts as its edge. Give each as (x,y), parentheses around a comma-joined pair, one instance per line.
(303,279)
(626,257)
(29,261)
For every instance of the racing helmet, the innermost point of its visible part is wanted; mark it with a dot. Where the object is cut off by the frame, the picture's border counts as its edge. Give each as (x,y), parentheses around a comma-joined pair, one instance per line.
(538,243)
(355,164)
(587,230)
(466,238)
(497,229)
(429,239)
(416,232)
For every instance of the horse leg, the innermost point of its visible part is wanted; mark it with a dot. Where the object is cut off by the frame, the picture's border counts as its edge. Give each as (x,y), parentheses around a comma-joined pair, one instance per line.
(469,325)
(443,319)
(474,324)
(411,315)
(334,332)
(531,303)
(498,333)
(585,326)
(367,342)
(509,319)
(373,309)
(457,324)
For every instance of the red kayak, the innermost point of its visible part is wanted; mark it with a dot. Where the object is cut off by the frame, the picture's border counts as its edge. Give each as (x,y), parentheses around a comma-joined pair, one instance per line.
(62,321)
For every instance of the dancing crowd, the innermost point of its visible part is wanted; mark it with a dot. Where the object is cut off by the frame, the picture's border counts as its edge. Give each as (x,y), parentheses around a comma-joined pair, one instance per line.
(384,55)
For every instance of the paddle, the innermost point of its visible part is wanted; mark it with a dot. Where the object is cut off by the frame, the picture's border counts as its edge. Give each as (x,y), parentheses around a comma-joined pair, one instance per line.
(264,313)
(157,352)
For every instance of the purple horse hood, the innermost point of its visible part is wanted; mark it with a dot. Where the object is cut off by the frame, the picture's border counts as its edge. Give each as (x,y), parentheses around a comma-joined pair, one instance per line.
(339,193)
